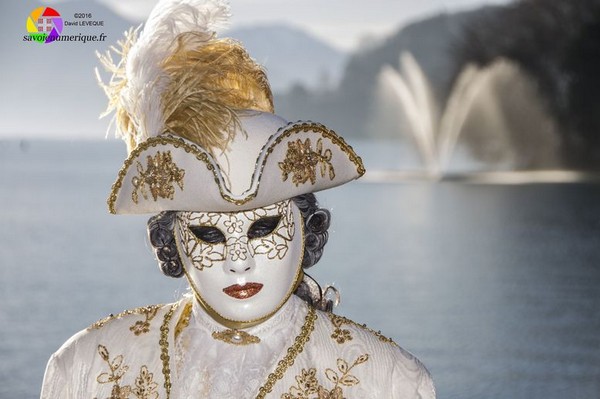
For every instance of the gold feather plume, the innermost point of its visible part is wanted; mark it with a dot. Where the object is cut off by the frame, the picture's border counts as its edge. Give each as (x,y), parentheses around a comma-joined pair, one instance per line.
(117,82)
(208,81)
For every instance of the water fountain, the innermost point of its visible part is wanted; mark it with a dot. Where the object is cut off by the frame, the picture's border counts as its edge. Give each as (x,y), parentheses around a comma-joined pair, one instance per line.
(496,110)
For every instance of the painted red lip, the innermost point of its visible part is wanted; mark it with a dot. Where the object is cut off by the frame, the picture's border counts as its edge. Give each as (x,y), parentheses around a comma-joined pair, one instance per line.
(243,291)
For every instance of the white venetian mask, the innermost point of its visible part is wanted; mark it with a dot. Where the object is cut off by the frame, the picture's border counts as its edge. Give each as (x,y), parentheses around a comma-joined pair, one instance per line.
(242,266)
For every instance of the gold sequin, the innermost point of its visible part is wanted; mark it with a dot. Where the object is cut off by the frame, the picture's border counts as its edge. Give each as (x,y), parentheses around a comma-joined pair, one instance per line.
(236,337)
(159,177)
(301,161)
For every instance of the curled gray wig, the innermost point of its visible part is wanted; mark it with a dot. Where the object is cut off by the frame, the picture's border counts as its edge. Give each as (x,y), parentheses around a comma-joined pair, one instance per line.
(161,232)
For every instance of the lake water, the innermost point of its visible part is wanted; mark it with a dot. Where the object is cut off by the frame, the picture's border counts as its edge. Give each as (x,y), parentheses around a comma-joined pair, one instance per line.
(495,288)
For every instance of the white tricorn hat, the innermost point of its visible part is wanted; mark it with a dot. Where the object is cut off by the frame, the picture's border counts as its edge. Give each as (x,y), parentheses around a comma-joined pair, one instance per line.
(197,115)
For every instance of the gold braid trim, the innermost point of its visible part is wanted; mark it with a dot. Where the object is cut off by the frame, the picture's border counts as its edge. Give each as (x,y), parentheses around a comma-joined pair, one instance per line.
(292,352)
(164,349)
(184,319)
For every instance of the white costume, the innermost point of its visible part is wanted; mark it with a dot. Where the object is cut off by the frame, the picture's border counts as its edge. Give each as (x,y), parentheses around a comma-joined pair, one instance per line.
(301,354)
(231,185)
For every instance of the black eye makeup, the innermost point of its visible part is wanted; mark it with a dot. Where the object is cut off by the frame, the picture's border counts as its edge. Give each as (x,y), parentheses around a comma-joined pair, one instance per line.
(209,234)
(263,226)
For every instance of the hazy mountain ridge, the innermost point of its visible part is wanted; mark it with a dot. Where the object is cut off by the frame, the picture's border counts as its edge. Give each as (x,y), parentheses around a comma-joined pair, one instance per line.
(292,56)
(529,100)
(431,41)
(52,87)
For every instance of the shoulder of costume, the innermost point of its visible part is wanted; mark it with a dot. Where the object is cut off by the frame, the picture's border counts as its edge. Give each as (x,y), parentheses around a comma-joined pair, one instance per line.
(345,331)
(140,323)
(341,323)
(142,318)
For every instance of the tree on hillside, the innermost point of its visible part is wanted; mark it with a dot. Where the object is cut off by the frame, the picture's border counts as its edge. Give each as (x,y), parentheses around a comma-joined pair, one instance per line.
(556,43)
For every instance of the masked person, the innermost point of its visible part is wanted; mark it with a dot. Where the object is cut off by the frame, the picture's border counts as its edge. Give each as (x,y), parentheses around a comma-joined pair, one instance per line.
(232,186)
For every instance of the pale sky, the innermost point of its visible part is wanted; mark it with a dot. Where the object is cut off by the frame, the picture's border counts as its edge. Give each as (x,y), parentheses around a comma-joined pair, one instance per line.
(342,23)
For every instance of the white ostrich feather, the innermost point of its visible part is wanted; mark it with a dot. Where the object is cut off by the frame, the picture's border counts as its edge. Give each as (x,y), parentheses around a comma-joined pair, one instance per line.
(146,80)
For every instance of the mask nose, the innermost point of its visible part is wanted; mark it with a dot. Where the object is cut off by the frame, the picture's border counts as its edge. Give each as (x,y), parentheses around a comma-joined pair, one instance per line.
(239,259)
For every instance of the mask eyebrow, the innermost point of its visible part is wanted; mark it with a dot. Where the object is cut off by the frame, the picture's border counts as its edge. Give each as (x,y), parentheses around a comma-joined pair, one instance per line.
(209,234)
(263,226)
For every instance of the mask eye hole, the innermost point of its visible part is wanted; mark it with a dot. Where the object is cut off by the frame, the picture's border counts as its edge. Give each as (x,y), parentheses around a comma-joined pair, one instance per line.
(208,234)
(263,226)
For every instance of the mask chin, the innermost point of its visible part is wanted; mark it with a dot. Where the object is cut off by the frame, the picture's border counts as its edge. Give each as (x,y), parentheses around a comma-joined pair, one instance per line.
(241,324)
(256,276)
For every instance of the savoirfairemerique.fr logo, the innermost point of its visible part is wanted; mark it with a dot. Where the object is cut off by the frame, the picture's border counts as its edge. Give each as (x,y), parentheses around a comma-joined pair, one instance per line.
(44,25)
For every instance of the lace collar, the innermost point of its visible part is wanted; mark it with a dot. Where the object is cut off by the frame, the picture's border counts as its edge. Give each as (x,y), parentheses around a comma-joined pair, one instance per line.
(287,318)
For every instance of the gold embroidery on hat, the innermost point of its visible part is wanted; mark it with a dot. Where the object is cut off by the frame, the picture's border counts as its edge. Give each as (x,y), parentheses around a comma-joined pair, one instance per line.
(301,161)
(289,130)
(160,174)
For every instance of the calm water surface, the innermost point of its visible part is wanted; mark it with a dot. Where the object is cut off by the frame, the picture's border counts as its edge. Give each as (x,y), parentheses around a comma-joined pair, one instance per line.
(494,288)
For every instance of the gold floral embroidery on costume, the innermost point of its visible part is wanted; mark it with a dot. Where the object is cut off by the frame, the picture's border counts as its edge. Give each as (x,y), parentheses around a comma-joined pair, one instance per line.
(159,177)
(140,326)
(341,335)
(143,326)
(204,254)
(145,387)
(308,387)
(301,161)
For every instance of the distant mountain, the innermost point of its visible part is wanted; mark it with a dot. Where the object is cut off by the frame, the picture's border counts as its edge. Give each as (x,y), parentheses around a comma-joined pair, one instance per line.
(431,41)
(292,56)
